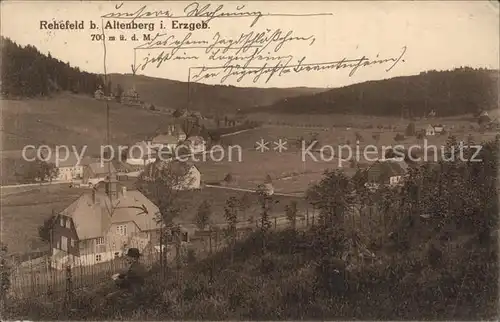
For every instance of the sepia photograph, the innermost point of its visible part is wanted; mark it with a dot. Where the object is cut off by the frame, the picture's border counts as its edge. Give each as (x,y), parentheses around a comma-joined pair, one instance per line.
(249,160)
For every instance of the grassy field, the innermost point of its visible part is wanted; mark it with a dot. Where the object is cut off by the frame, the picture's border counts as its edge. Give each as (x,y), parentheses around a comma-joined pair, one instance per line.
(25,209)
(287,169)
(74,120)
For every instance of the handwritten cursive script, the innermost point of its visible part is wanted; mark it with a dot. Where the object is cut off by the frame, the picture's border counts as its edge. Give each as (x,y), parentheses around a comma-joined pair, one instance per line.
(284,67)
(193,9)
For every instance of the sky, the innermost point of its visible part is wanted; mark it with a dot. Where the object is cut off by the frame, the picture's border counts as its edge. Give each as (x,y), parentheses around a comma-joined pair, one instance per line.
(424,36)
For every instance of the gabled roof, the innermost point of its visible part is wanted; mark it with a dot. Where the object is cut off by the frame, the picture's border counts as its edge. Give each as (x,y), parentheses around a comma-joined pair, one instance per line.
(93,219)
(165,139)
(380,172)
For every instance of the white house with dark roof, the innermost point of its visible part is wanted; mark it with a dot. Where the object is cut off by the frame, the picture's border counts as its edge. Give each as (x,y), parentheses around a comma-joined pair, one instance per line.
(101,224)
(70,166)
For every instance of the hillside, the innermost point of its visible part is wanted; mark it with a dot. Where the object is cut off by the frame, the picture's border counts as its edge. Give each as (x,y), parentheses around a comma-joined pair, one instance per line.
(448,93)
(209,99)
(27,73)
(72,119)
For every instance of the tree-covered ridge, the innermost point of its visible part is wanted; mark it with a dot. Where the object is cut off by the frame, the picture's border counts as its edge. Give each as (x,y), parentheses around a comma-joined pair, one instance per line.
(28,73)
(455,92)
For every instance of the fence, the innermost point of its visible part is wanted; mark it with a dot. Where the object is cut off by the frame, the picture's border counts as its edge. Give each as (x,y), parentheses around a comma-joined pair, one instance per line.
(36,278)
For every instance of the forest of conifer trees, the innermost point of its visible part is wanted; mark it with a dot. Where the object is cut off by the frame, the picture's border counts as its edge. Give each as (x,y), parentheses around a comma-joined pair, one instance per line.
(28,73)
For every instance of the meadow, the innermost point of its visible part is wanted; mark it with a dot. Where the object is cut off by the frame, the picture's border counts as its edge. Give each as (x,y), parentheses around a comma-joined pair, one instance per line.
(24,209)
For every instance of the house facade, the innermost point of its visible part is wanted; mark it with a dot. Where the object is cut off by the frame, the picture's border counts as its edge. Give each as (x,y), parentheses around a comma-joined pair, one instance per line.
(101,225)
(70,167)
(96,172)
(142,153)
(429,130)
(167,140)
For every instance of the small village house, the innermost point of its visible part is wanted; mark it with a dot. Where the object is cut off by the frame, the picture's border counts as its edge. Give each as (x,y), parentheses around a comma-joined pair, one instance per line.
(70,167)
(388,173)
(101,224)
(484,118)
(429,130)
(99,94)
(183,175)
(196,144)
(175,130)
(142,153)
(130,97)
(438,129)
(96,172)
(168,141)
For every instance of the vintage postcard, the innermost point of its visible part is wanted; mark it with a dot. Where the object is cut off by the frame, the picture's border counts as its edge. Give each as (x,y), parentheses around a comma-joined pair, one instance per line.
(249,160)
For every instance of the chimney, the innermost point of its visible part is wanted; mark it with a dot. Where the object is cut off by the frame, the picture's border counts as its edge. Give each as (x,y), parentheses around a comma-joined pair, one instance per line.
(124,191)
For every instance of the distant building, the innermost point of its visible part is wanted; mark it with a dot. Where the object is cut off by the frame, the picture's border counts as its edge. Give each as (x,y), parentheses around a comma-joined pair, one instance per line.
(176,131)
(389,173)
(70,168)
(101,224)
(99,94)
(183,175)
(484,118)
(169,141)
(96,172)
(196,144)
(438,129)
(429,131)
(130,97)
(142,153)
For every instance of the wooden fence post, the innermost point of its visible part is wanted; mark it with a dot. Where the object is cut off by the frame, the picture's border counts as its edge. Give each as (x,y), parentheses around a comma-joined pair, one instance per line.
(210,239)
(69,285)
(275,223)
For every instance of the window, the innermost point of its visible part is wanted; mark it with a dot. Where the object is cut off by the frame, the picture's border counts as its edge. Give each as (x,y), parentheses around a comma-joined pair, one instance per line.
(62,221)
(68,223)
(58,244)
(72,241)
(121,230)
(100,240)
(64,242)
(98,258)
